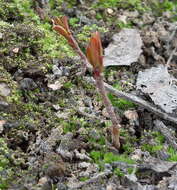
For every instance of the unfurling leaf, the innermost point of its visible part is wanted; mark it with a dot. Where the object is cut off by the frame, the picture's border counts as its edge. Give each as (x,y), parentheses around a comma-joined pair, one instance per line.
(60,24)
(94,52)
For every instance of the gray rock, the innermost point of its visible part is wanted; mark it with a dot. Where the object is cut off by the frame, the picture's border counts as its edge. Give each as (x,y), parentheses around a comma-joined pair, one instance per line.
(4,106)
(2,122)
(64,147)
(28,84)
(61,186)
(94,134)
(66,70)
(56,71)
(4,89)
(18,75)
(9,125)
(163,155)
(18,187)
(108,167)
(173,183)
(1,35)
(156,165)
(125,48)
(160,86)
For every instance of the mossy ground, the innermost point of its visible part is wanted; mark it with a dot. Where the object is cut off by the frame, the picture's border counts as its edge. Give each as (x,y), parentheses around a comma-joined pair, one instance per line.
(28,44)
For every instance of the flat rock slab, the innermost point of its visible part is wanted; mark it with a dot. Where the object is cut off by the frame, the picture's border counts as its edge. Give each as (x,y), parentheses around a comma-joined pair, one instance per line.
(160,86)
(125,48)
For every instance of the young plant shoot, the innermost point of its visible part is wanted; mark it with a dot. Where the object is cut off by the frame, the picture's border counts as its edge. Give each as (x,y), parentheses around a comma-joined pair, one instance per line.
(94,56)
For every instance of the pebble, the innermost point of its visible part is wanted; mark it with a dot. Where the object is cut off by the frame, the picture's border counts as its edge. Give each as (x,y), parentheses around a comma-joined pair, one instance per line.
(137,154)
(123,18)
(84,165)
(110,11)
(2,122)
(58,83)
(4,89)
(28,84)
(56,71)
(109,187)
(61,186)
(108,167)
(162,155)
(42,180)
(1,35)
(4,106)
(94,134)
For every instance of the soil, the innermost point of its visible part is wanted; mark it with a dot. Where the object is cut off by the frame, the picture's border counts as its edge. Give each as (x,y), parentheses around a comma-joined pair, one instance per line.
(54,129)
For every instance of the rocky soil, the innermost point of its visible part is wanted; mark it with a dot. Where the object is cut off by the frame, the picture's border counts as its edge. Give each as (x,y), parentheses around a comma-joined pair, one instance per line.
(54,129)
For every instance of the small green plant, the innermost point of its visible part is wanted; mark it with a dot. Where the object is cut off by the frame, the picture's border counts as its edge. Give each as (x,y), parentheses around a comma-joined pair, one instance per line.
(118,172)
(72,124)
(110,157)
(6,171)
(103,157)
(127,147)
(83,178)
(120,102)
(161,6)
(100,141)
(131,170)
(173,154)
(74,22)
(127,4)
(84,35)
(121,24)
(97,156)
(68,85)
(152,148)
(159,138)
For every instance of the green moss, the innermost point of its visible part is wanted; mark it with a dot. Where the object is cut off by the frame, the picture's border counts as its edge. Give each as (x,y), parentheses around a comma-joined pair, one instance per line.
(121,24)
(158,140)
(120,102)
(97,156)
(74,22)
(33,40)
(129,4)
(156,7)
(6,171)
(9,11)
(173,154)
(152,148)
(130,141)
(68,85)
(25,9)
(100,141)
(87,30)
(73,123)
(128,147)
(53,44)
(118,172)
(110,157)
(106,3)
(83,178)
(159,7)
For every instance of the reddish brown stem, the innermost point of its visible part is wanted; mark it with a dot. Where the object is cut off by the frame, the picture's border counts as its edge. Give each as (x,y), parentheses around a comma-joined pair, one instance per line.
(100,85)
(76,47)
(115,119)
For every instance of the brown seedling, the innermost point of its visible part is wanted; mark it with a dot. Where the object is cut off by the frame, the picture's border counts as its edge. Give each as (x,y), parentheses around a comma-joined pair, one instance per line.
(94,56)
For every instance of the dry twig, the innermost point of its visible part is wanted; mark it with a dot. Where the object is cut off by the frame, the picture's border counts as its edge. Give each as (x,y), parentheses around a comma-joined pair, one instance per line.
(159,125)
(136,100)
